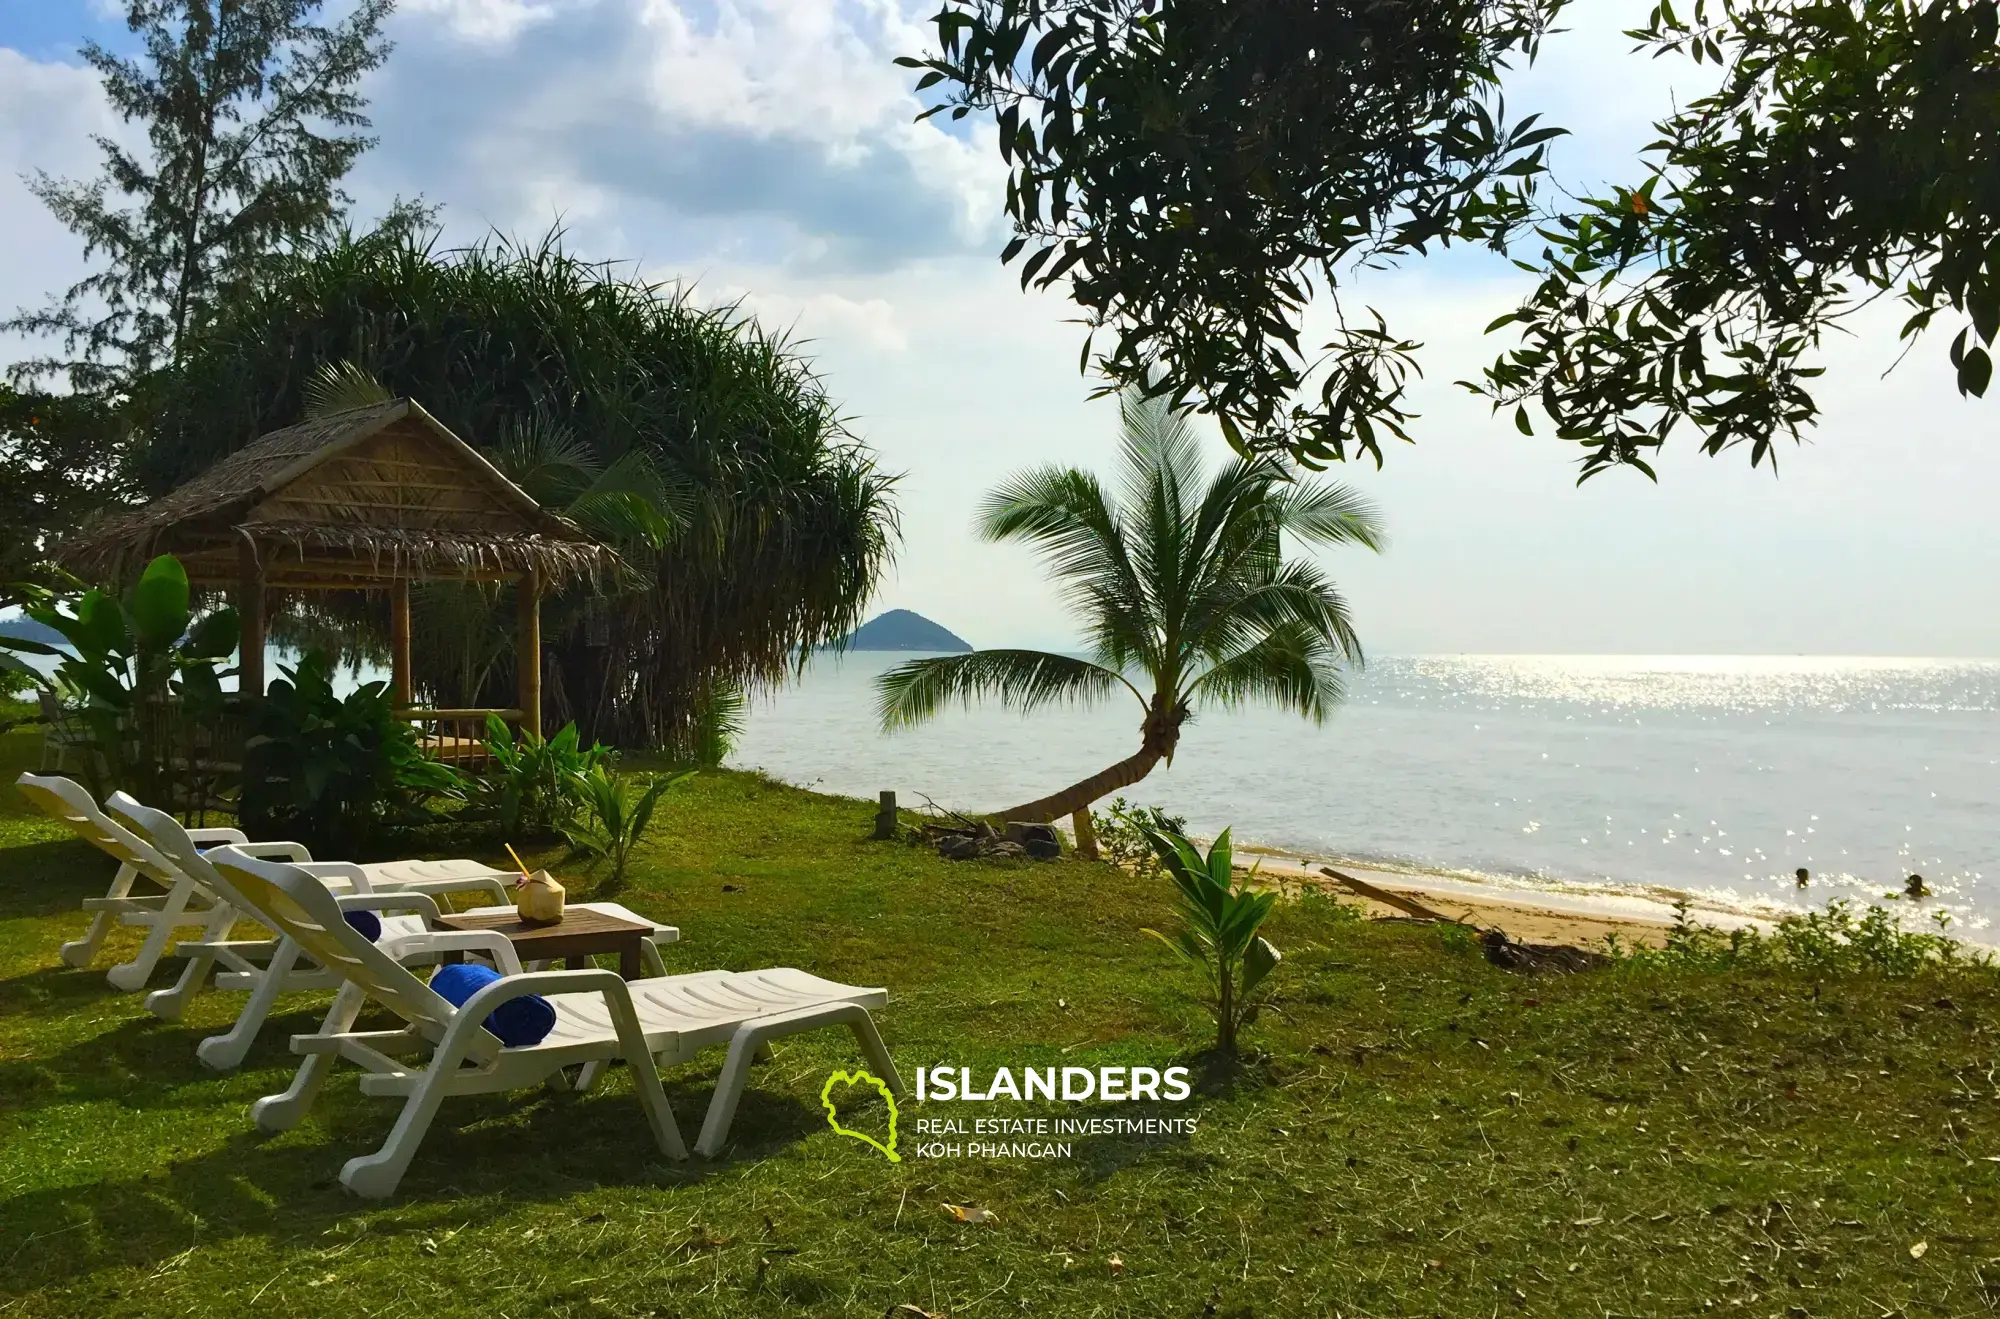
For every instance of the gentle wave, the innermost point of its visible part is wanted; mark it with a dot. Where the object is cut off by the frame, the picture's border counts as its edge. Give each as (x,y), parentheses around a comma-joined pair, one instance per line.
(1713,776)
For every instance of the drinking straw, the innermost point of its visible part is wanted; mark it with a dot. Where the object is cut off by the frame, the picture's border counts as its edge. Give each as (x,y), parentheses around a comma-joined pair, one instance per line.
(517,859)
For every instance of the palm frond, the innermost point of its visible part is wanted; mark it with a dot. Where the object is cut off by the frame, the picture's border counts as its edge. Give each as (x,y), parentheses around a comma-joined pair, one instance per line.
(1294,594)
(1068,516)
(1325,514)
(1161,460)
(1157,447)
(340,387)
(632,502)
(1232,537)
(544,457)
(1289,667)
(1023,680)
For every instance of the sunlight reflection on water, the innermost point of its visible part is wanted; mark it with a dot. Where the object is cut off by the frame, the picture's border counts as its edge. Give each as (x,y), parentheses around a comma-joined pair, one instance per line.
(1712,775)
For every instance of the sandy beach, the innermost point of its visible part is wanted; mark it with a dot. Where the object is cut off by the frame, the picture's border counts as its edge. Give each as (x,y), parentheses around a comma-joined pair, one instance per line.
(1578,920)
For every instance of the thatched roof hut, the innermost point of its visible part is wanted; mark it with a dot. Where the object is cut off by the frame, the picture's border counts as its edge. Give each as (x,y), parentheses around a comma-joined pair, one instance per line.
(360,498)
(371,498)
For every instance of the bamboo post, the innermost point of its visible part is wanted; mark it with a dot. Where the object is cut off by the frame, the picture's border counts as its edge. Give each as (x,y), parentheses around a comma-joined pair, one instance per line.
(401,682)
(885,816)
(250,614)
(1086,834)
(528,651)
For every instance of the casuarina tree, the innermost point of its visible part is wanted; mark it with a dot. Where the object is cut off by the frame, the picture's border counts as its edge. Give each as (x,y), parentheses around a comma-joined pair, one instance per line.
(251,119)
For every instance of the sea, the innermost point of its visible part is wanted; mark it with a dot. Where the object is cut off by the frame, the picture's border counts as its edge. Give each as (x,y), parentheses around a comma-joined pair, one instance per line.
(1713,778)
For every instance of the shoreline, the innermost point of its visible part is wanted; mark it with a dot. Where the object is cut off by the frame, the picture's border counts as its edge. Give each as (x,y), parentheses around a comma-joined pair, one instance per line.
(1569,914)
(1526,914)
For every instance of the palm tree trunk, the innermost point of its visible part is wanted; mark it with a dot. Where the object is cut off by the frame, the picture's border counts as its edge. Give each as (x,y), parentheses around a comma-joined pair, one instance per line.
(1080,794)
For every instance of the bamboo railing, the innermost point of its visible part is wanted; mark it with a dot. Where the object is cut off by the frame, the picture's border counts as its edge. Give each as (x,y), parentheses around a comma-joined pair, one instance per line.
(455,737)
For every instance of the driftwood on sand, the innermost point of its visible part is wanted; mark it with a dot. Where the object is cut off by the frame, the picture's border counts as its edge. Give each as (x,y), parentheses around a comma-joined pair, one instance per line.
(1498,948)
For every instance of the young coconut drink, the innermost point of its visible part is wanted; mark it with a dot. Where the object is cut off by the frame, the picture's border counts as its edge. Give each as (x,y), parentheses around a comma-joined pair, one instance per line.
(538,898)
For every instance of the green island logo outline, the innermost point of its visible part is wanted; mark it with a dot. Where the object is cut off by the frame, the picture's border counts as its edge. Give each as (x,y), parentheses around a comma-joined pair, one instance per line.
(858,1077)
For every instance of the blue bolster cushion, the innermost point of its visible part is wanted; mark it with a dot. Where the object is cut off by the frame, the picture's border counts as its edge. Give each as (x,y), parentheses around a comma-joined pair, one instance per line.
(368,923)
(518,1022)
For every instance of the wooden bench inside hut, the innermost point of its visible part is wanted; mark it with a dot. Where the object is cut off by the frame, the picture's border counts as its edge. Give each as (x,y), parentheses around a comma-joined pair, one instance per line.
(370,499)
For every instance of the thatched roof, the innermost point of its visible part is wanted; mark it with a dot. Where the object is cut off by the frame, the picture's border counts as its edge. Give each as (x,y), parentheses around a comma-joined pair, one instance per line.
(352,499)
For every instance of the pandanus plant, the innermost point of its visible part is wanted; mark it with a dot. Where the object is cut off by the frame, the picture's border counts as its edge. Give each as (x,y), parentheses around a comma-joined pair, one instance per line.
(1182,587)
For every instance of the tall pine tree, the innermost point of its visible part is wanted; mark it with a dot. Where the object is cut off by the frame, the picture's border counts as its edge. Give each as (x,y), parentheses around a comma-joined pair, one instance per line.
(252,119)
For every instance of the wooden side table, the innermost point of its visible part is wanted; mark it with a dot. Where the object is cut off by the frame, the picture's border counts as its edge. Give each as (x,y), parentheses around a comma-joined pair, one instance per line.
(575,938)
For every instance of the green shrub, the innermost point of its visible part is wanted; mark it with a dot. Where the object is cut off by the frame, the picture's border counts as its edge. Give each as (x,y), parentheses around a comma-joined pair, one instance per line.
(1322,903)
(1219,923)
(1826,943)
(1121,834)
(144,669)
(718,726)
(533,785)
(328,771)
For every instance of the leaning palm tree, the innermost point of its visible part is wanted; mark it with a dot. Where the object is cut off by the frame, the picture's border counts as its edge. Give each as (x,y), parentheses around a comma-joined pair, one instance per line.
(1182,587)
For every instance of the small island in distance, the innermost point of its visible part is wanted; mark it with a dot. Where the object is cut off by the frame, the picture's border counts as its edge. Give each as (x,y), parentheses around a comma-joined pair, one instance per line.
(901,629)
(27,629)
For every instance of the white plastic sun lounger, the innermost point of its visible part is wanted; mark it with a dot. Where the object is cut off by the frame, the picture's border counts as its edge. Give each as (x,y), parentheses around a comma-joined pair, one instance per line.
(177,906)
(599,1018)
(270,967)
(188,902)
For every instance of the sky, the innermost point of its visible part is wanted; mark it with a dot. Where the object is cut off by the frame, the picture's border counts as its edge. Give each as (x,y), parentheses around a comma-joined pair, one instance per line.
(764,151)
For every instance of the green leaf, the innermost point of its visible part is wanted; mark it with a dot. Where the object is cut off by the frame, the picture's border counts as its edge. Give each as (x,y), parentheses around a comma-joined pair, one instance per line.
(1521,420)
(215,636)
(11,664)
(1259,960)
(1975,372)
(1180,949)
(98,629)
(1221,863)
(1983,301)
(159,604)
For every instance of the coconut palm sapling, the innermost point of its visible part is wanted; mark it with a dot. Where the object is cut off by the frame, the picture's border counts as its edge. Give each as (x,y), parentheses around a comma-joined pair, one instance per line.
(618,811)
(1182,587)
(1219,923)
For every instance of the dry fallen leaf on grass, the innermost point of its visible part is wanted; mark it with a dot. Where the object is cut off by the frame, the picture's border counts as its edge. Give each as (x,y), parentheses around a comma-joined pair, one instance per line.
(1116,1264)
(908,1311)
(703,1241)
(1917,1251)
(971,1214)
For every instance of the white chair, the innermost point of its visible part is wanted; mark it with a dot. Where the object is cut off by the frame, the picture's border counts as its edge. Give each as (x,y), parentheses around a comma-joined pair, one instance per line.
(599,1018)
(189,902)
(270,967)
(60,734)
(180,905)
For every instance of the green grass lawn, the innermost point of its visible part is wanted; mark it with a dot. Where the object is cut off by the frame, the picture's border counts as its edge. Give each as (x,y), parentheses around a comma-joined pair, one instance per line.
(1423,1134)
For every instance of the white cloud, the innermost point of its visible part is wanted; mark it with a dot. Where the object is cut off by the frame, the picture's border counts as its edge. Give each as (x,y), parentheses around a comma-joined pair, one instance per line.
(750,126)
(487,22)
(48,113)
(764,149)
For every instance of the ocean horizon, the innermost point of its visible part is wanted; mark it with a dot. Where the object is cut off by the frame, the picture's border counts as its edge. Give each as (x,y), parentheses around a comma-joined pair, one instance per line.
(1713,777)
